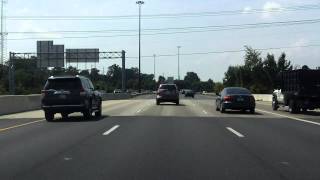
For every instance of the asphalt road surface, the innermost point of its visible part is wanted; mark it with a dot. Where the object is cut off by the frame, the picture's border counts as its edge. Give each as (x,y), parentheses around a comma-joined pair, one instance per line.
(136,139)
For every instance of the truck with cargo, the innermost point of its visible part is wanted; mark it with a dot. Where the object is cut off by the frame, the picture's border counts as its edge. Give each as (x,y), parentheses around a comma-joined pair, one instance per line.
(297,89)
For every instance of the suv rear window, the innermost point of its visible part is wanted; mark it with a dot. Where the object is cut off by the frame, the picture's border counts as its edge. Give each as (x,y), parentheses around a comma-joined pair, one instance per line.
(66,84)
(238,91)
(168,87)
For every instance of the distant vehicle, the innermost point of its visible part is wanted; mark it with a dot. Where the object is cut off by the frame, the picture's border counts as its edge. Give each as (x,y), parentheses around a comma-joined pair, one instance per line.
(70,94)
(204,92)
(167,93)
(117,91)
(182,91)
(298,89)
(189,93)
(235,98)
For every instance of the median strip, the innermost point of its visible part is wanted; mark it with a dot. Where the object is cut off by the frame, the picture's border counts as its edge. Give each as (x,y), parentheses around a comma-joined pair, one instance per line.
(20,125)
(110,130)
(235,132)
(290,117)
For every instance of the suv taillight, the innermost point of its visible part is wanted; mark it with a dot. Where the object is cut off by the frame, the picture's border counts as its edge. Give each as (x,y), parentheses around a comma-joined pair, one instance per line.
(43,93)
(160,91)
(82,92)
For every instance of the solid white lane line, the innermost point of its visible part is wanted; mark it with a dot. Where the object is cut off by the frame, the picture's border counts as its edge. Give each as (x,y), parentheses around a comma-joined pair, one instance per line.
(110,130)
(235,132)
(290,117)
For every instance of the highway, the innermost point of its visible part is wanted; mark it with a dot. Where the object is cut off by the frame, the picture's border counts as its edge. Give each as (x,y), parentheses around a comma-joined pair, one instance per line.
(136,139)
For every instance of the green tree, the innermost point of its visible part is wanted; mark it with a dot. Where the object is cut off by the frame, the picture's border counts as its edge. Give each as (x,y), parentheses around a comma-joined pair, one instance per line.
(218,87)
(283,63)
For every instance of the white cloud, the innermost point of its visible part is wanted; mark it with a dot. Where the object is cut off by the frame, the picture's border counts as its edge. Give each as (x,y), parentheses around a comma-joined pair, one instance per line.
(269,8)
(246,9)
(31,26)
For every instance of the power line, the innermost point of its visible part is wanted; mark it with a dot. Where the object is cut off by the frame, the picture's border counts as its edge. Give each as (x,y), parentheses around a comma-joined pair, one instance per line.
(187,29)
(264,24)
(173,15)
(228,51)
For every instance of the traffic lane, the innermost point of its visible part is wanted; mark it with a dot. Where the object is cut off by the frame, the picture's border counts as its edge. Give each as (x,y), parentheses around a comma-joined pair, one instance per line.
(291,147)
(309,115)
(185,109)
(28,146)
(157,148)
(111,107)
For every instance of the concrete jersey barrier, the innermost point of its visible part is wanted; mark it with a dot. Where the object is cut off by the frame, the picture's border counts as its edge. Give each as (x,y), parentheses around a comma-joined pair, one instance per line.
(20,103)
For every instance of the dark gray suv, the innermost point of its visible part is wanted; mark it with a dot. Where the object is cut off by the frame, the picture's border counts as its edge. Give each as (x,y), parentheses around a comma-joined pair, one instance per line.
(167,93)
(70,94)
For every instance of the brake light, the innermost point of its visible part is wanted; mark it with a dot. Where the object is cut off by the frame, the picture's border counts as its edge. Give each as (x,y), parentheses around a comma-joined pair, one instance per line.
(227,98)
(160,91)
(43,93)
(82,92)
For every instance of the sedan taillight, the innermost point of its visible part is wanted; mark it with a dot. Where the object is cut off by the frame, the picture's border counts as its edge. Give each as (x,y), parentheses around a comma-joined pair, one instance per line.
(227,98)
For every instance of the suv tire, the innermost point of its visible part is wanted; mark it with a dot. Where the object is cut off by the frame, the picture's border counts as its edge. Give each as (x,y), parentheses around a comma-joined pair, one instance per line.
(87,113)
(99,112)
(49,116)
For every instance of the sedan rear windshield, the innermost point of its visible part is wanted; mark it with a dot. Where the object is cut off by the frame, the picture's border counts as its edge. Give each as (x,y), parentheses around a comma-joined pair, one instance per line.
(65,84)
(168,87)
(238,91)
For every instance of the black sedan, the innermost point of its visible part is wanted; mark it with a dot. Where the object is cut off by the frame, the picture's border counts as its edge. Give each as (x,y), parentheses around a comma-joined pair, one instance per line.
(235,98)
(189,93)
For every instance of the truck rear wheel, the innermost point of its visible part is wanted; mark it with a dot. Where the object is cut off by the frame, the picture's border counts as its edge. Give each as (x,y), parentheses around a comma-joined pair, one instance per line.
(275,105)
(293,107)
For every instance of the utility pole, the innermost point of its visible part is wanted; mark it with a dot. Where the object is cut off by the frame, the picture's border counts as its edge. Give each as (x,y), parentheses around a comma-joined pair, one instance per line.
(2,33)
(140,3)
(178,62)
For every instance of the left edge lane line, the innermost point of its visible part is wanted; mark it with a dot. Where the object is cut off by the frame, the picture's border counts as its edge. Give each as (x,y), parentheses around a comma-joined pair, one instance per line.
(111,130)
(20,125)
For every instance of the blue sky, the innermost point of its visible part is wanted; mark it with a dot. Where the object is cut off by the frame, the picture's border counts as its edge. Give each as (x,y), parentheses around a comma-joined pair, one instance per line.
(207,66)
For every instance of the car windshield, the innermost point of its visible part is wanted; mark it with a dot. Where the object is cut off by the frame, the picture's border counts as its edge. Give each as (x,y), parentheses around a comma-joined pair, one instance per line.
(237,91)
(66,84)
(168,87)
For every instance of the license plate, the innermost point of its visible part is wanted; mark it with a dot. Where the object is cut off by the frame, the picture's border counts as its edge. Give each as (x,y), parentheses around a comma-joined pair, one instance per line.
(240,99)
(62,96)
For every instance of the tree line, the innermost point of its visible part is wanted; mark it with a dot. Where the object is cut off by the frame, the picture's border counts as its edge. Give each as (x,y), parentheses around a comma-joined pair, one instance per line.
(257,74)
(30,80)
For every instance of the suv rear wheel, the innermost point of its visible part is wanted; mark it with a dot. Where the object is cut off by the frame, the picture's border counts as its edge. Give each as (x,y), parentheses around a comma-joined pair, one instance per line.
(87,113)
(99,112)
(49,116)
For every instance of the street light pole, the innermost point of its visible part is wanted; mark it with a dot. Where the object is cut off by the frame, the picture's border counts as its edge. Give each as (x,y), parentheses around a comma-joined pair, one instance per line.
(154,66)
(154,71)
(178,62)
(139,3)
